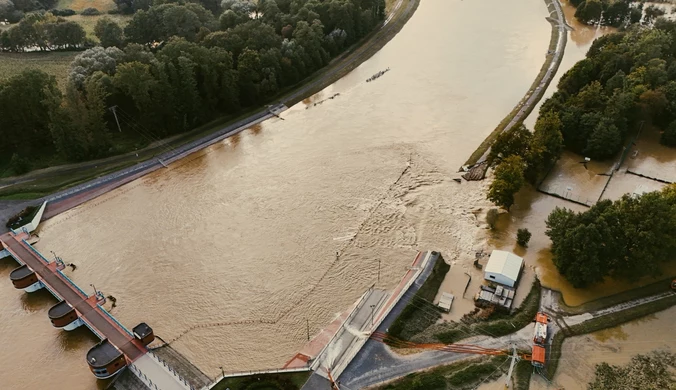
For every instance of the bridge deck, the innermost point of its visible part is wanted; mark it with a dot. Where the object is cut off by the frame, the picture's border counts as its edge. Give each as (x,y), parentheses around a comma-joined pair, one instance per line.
(89,311)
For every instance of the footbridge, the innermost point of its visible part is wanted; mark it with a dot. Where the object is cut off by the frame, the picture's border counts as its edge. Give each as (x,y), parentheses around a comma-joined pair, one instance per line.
(119,347)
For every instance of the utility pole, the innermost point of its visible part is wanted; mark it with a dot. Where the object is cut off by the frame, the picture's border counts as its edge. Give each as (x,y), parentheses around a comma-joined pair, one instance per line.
(113,108)
(515,359)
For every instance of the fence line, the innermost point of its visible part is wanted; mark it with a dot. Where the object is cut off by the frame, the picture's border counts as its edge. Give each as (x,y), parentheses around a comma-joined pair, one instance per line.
(114,319)
(650,177)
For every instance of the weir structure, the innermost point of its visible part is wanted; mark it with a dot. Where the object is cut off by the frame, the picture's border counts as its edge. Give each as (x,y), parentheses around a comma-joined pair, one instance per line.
(119,348)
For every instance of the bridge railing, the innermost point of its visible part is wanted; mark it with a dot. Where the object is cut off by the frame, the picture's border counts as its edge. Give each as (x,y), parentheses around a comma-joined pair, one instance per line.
(114,320)
(143,377)
(72,283)
(171,370)
(35,251)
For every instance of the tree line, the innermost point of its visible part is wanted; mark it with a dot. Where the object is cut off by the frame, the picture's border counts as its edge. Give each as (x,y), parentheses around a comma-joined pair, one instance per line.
(628,238)
(43,31)
(615,13)
(173,68)
(520,156)
(627,79)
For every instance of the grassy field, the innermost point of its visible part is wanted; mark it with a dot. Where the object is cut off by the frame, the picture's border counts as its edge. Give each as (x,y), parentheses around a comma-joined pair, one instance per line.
(461,375)
(78,5)
(53,63)
(89,22)
(293,381)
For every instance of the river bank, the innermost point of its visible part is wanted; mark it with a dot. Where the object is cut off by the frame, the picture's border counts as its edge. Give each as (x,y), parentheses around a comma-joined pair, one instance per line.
(69,185)
(553,57)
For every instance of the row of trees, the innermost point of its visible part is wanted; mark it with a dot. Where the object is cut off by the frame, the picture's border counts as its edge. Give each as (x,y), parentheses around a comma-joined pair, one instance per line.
(43,31)
(627,77)
(628,238)
(187,78)
(614,13)
(14,10)
(520,156)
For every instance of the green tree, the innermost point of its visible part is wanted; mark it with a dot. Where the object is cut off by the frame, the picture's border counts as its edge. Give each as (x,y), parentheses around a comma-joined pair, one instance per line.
(249,72)
(627,239)
(523,236)
(589,11)
(605,141)
(27,101)
(66,35)
(509,143)
(668,137)
(545,147)
(508,181)
(108,32)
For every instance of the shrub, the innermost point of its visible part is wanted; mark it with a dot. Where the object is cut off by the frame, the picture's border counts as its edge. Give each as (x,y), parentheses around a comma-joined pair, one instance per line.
(114,12)
(90,12)
(669,136)
(19,165)
(492,217)
(522,237)
(22,217)
(63,12)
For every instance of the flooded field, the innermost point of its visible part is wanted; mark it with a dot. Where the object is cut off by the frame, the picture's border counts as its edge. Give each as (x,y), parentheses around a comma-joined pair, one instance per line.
(249,229)
(615,346)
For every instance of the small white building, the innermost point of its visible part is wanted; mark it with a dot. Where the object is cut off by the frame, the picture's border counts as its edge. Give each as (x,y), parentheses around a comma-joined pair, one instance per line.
(504,268)
(446,301)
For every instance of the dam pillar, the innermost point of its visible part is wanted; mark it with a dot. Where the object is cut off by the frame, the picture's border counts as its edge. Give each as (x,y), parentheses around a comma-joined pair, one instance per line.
(25,279)
(63,316)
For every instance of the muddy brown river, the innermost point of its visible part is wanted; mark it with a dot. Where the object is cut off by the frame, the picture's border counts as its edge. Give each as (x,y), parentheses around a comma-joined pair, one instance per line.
(286,222)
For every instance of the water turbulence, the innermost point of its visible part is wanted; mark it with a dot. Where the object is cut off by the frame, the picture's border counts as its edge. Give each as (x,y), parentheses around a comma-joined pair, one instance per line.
(230,252)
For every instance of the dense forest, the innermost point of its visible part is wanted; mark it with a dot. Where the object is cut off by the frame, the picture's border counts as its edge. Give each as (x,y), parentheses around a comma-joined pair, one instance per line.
(627,78)
(625,239)
(174,67)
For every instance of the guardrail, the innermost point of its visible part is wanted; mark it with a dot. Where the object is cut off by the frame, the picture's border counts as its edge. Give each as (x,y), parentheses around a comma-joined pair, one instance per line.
(258,372)
(360,303)
(114,320)
(166,157)
(171,370)
(72,283)
(139,374)
(35,251)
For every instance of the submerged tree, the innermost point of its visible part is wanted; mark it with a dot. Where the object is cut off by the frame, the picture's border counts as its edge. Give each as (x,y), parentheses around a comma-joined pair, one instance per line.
(508,180)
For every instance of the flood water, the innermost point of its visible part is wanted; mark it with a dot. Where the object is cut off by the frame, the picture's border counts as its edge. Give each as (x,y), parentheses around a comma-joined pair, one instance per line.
(249,229)
(573,180)
(615,346)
